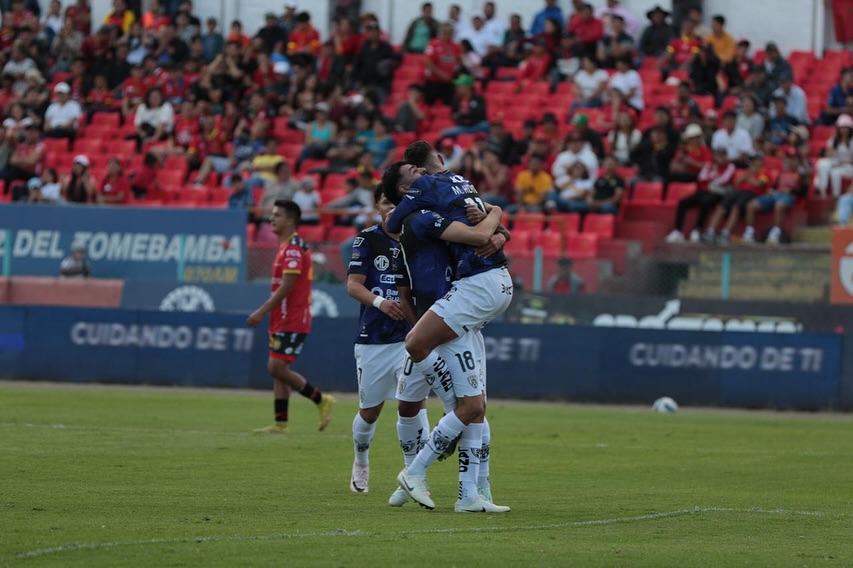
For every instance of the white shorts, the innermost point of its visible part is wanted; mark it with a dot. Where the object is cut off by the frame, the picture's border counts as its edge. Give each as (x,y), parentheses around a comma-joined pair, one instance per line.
(475,301)
(378,368)
(466,358)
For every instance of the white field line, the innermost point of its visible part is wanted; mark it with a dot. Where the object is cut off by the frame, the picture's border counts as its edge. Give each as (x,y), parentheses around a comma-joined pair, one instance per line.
(357,533)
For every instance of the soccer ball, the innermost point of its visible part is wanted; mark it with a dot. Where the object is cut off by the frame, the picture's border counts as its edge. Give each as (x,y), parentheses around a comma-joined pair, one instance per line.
(665,404)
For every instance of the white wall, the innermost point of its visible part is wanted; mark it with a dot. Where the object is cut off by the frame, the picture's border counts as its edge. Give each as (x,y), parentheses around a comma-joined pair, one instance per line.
(787,22)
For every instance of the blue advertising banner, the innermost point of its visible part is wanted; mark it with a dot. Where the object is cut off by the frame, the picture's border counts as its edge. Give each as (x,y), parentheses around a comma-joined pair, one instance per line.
(169,244)
(327,300)
(801,371)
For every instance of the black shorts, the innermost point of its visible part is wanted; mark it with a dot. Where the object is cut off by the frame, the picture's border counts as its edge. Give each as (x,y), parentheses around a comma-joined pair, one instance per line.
(737,199)
(286,345)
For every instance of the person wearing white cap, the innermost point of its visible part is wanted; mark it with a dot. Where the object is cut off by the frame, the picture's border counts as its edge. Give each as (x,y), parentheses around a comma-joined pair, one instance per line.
(691,157)
(78,187)
(63,115)
(838,160)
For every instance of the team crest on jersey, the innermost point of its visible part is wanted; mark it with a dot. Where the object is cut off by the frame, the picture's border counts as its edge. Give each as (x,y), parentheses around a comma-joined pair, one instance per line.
(395,252)
(358,241)
(381,262)
(472,380)
(356,255)
(401,386)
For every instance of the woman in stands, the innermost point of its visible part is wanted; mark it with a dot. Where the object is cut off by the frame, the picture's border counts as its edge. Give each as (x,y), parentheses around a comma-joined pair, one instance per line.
(154,119)
(115,189)
(624,138)
(837,162)
(79,187)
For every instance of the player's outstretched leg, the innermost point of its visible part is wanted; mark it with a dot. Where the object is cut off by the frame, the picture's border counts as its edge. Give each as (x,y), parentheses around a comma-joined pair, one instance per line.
(412,432)
(470,449)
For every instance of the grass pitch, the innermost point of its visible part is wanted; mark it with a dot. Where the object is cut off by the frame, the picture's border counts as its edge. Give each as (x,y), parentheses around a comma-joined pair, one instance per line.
(130,477)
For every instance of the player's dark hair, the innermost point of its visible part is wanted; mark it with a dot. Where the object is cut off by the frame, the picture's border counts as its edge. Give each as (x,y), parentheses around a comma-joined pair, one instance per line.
(290,209)
(378,192)
(417,153)
(391,182)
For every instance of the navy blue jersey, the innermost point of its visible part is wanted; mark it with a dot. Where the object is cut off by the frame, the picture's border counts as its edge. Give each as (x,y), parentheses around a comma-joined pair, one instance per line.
(376,256)
(427,258)
(448,195)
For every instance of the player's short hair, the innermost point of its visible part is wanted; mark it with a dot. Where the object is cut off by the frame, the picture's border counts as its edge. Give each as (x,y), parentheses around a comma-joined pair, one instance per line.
(391,182)
(418,153)
(378,192)
(290,209)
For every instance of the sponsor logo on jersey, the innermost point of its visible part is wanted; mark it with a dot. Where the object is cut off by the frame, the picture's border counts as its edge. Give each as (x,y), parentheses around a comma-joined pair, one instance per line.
(387,278)
(358,241)
(293,252)
(381,262)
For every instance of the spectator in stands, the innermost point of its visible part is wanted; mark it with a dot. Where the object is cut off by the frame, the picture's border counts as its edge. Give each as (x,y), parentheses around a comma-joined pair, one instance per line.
(114,188)
(552,11)
(494,184)
(614,9)
(590,84)
(532,185)
(469,168)
(75,265)
(840,99)
(451,152)
(625,88)
(736,71)
(616,44)
(691,157)
(684,109)
(26,159)
(501,141)
(63,116)
(780,126)
(837,162)
(534,67)
(712,185)
(776,66)
(144,181)
(573,191)
(271,33)
(48,189)
(421,30)
(16,122)
(100,98)
(567,63)
(588,29)
(748,185)
(263,164)
(241,197)
(565,281)
(734,140)
(66,45)
(283,187)
(213,41)
(381,145)
(443,58)
(288,20)
(17,67)
(760,86)
(720,40)
(588,135)
(303,44)
(576,151)
(454,18)
(153,121)
(121,18)
(236,35)
(308,199)
(469,109)
(81,13)
(375,62)
(358,202)
(749,119)
(682,49)
(471,61)
(709,125)
(623,139)
(319,135)
(789,185)
(657,35)
(514,41)
(704,72)
(795,98)
(78,186)
(155,17)
(412,112)
(344,152)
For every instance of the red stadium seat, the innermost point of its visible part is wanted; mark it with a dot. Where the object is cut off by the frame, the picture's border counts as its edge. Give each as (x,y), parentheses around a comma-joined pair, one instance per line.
(312,233)
(105,119)
(583,246)
(551,243)
(533,222)
(566,223)
(88,146)
(647,193)
(519,245)
(599,225)
(678,191)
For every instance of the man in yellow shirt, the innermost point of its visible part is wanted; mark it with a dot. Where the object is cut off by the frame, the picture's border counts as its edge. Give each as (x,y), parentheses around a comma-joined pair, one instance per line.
(722,41)
(533,185)
(263,165)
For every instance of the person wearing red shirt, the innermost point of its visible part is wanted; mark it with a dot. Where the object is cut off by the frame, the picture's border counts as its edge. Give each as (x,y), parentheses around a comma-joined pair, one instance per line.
(20,17)
(748,185)
(100,98)
(81,14)
(691,157)
(587,29)
(789,185)
(684,109)
(236,34)
(443,59)
(208,151)
(304,41)
(534,67)
(682,49)
(289,307)
(114,189)
(144,182)
(133,90)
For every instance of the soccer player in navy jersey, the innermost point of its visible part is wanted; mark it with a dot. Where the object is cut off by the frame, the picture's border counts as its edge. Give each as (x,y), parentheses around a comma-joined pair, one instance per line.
(482,291)
(428,278)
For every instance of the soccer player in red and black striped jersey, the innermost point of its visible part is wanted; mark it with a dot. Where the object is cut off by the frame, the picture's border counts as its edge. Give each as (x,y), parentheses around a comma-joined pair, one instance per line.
(289,307)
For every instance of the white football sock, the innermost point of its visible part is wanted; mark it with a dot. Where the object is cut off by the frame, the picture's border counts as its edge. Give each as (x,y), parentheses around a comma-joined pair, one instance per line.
(447,430)
(362,435)
(410,432)
(436,372)
(485,449)
(424,432)
(469,461)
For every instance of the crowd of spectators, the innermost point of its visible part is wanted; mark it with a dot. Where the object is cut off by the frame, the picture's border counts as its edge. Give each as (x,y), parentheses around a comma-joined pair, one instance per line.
(275,114)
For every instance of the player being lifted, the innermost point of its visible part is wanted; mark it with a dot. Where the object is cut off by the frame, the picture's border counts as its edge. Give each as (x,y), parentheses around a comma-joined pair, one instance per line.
(481,292)
(428,277)
(289,307)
